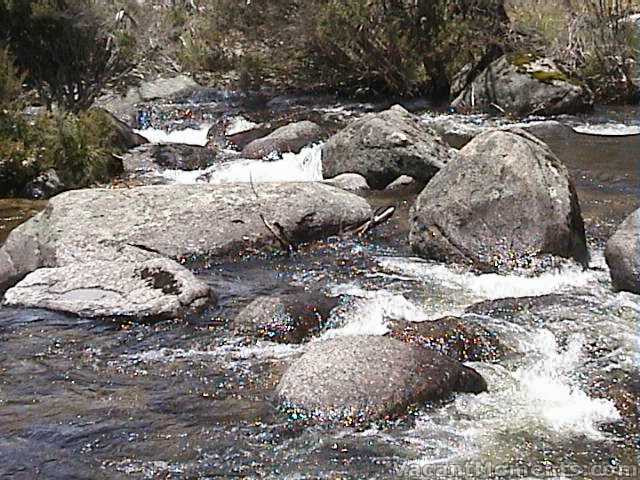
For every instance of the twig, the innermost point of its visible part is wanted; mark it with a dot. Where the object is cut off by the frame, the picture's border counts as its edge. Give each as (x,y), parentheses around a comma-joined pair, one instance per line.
(280,236)
(381,215)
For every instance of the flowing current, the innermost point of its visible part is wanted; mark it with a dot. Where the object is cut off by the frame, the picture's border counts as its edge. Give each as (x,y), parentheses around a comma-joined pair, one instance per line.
(173,400)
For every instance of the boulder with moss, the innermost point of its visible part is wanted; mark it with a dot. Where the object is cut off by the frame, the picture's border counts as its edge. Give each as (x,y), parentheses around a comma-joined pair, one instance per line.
(523,85)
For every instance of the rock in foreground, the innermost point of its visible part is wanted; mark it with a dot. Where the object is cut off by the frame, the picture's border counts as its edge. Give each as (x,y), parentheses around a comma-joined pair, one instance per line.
(158,288)
(383,146)
(506,200)
(184,222)
(623,255)
(525,85)
(356,379)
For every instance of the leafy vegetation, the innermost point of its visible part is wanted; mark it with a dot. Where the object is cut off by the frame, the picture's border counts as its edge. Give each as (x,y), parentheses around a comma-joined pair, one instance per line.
(65,47)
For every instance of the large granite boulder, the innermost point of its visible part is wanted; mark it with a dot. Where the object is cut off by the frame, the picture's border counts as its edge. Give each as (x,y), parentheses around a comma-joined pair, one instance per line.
(383,146)
(360,378)
(506,200)
(524,85)
(155,289)
(184,222)
(623,255)
(290,138)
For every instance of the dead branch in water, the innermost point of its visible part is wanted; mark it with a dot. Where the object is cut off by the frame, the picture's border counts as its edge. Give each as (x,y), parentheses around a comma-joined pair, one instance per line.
(280,236)
(380,216)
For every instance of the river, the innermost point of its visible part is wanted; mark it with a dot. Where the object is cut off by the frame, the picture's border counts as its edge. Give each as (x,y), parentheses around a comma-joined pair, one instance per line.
(186,400)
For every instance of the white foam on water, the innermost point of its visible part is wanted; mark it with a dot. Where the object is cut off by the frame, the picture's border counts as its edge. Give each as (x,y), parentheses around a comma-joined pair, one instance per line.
(543,396)
(239,124)
(187,136)
(490,286)
(611,129)
(369,312)
(230,351)
(551,394)
(305,166)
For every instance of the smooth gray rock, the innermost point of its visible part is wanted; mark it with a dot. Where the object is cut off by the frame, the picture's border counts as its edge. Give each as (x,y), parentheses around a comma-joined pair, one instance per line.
(360,378)
(351,182)
(184,222)
(157,288)
(404,181)
(506,200)
(383,146)
(123,107)
(290,138)
(166,87)
(454,130)
(525,86)
(623,255)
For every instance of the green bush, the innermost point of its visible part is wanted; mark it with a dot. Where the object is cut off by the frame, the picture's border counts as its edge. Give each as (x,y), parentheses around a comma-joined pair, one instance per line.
(79,147)
(10,80)
(67,48)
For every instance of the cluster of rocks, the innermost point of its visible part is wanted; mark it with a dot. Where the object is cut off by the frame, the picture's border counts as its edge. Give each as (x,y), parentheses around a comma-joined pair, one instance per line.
(496,202)
(88,253)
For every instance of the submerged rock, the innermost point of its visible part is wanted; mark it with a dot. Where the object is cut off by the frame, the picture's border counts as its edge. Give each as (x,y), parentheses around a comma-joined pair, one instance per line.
(623,255)
(462,340)
(525,85)
(290,318)
(504,201)
(351,182)
(383,146)
(290,138)
(157,288)
(184,222)
(361,378)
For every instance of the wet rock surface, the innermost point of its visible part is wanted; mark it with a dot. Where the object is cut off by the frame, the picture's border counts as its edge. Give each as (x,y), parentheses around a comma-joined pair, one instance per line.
(623,255)
(460,339)
(155,158)
(525,86)
(154,289)
(361,378)
(290,318)
(289,138)
(383,146)
(508,199)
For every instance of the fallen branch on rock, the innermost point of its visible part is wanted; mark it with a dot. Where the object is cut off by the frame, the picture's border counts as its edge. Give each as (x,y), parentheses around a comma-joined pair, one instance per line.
(380,216)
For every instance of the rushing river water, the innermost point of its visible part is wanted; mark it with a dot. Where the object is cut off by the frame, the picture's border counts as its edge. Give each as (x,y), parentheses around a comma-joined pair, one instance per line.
(173,400)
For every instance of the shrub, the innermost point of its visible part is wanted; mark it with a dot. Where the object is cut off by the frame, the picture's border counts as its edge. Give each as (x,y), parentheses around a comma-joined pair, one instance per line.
(66,48)
(589,36)
(10,80)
